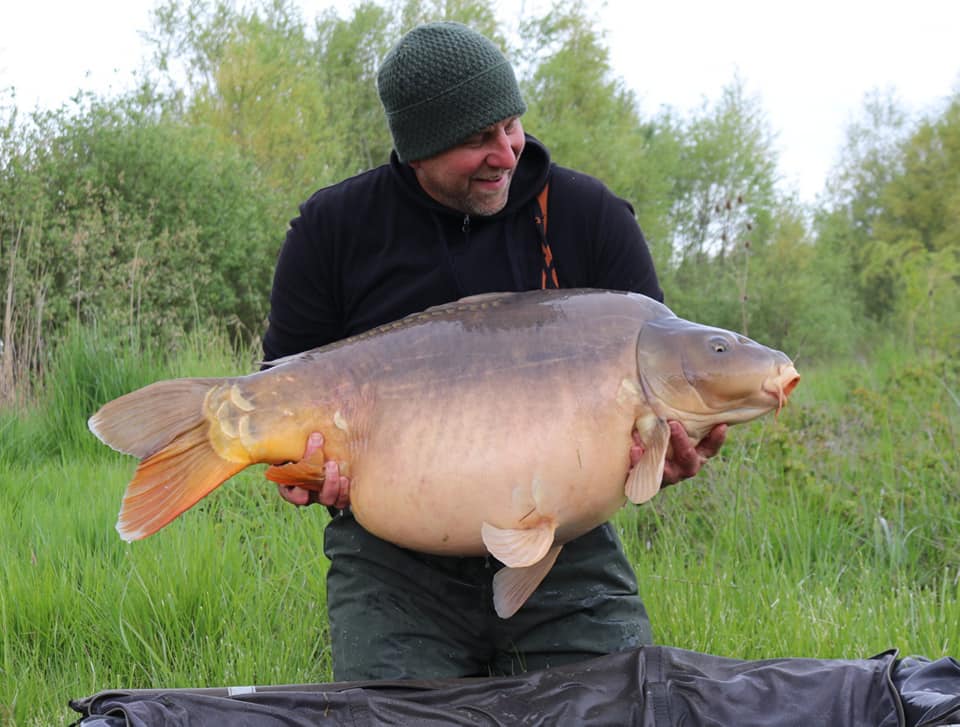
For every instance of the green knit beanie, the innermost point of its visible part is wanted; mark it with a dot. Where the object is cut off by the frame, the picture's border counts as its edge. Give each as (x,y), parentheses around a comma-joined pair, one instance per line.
(441,83)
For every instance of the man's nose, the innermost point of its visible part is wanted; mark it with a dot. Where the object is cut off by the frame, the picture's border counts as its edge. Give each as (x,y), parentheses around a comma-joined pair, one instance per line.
(501,154)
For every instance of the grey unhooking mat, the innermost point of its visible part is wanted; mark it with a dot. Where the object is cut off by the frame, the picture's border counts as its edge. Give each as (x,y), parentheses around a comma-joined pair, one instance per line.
(651,687)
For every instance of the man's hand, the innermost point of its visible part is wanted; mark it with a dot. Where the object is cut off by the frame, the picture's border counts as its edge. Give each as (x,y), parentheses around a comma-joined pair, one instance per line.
(684,458)
(335,491)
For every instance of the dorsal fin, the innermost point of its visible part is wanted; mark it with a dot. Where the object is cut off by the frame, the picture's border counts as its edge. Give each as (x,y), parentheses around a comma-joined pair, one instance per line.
(469,301)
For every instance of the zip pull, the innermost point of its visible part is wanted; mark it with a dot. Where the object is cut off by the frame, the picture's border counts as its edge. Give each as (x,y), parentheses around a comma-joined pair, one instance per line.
(466,224)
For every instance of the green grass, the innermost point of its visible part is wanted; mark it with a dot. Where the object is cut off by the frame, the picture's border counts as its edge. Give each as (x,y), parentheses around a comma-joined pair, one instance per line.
(232,594)
(830,532)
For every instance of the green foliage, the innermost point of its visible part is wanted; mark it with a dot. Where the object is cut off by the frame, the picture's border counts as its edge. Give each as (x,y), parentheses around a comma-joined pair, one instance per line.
(112,178)
(349,53)
(893,220)
(262,84)
(583,113)
(739,255)
(212,230)
(724,178)
(917,235)
(789,299)
(478,15)
(116,214)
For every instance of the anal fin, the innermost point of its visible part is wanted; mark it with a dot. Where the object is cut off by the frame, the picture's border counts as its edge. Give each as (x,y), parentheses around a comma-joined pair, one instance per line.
(513,586)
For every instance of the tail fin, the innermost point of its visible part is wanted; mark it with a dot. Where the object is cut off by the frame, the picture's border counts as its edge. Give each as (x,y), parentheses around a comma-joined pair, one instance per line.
(144,421)
(164,425)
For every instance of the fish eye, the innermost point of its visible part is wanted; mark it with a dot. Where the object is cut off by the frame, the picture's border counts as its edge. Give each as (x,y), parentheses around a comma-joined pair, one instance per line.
(719,344)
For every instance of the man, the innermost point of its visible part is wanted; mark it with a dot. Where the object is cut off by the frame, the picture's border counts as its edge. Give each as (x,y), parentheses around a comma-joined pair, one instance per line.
(457,212)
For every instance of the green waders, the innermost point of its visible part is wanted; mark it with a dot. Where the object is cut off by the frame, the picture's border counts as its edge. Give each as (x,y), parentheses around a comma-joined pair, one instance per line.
(398,614)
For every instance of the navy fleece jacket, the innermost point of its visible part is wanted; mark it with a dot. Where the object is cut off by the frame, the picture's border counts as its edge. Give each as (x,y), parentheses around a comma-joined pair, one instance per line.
(376,247)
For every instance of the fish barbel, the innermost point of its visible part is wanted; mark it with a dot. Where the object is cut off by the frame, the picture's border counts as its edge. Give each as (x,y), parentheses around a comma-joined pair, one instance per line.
(498,424)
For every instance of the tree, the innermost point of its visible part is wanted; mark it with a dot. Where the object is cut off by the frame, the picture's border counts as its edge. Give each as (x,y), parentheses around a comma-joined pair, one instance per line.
(478,15)
(849,210)
(893,215)
(349,53)
(254,77)
(794,303)
(916,240)
(726,176)
(576,105)
(721,164)
(116,214)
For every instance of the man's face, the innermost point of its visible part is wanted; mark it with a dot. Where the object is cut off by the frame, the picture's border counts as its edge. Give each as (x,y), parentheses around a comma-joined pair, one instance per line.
(474,176)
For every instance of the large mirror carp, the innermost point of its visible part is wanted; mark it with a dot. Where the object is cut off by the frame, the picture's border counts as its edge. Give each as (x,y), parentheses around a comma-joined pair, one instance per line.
(498,424)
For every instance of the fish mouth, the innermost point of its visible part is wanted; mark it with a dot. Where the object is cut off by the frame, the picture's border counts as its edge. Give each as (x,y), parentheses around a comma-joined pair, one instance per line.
(779,387)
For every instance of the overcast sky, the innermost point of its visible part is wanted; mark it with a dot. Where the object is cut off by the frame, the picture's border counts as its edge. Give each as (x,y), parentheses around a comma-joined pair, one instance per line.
(809,63)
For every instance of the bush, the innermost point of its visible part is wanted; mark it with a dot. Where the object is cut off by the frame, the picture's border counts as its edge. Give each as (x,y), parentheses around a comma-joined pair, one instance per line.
(117,214)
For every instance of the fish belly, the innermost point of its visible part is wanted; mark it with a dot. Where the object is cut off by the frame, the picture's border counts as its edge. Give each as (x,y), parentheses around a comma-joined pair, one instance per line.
(510,451)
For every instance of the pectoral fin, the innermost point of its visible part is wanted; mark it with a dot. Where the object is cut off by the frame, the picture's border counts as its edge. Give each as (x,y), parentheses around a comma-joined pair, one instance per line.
(645,478)
(516,547)
(513,586)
